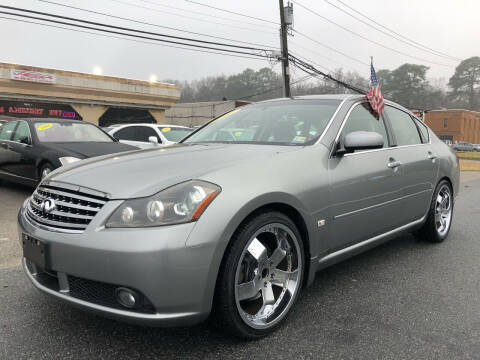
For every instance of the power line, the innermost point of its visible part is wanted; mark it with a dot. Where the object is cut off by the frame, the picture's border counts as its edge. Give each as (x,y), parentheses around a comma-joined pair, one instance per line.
(311,70)
(190,17)
(331,48)
(152,24)
(396,33)
(231,12)
(366,38)
(321,55)
(203,14)
(273,89)
(420,47)
(131,30)
(128,39)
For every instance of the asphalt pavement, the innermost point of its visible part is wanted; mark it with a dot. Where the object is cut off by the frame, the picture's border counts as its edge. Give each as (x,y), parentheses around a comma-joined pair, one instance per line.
(406,299)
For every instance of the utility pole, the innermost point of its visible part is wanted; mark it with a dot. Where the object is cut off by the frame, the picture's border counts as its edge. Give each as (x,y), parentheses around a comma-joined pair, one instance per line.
(284,23)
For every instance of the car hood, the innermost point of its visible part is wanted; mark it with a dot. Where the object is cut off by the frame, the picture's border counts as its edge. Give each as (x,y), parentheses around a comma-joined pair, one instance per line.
(84,150)
(145,172)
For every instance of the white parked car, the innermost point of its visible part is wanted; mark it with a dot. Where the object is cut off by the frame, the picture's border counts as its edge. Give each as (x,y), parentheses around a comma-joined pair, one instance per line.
(147,136)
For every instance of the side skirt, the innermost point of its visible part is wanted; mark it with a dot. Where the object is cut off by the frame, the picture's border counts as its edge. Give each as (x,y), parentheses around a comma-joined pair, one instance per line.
(360,247)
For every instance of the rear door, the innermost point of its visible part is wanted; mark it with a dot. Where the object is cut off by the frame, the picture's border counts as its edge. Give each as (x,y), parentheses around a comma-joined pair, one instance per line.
(6,155)
(23,153)
(418,161)
(366,186)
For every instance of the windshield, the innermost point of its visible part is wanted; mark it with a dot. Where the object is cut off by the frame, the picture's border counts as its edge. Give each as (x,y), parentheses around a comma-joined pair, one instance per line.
(299,122)
(174,133)
(69,132)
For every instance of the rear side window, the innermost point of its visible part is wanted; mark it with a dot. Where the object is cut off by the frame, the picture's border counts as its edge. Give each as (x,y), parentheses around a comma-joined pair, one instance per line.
(403,127)
(127,133)
(423,130)
(362,118)
(6,131)
(144,132)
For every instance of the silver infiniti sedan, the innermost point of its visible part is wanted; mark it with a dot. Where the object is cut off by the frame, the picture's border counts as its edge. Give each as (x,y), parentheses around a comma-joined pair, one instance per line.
(237,219)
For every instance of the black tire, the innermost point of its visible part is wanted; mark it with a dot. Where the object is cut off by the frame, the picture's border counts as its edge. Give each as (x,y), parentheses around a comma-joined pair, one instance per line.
(429,231)
(226,314)
(45,167)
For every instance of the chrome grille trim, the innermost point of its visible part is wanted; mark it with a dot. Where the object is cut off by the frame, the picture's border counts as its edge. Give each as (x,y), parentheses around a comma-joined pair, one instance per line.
(74,209)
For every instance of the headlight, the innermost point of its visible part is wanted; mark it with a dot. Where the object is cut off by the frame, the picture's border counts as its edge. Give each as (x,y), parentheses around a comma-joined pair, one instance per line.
(178,204)
(68,160)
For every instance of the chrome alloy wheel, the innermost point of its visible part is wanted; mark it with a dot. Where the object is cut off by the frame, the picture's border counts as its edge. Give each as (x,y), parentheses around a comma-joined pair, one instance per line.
(268,276)
(443,210)
(45,172)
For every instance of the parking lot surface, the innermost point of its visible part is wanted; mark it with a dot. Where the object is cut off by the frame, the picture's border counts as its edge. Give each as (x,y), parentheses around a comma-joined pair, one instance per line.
(406,299)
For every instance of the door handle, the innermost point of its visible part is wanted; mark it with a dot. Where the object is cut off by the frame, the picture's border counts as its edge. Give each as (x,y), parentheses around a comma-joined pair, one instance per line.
(394,164)
(431,155)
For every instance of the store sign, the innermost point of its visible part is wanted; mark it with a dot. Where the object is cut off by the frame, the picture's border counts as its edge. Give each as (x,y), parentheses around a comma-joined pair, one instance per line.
(32,76)
(20,109)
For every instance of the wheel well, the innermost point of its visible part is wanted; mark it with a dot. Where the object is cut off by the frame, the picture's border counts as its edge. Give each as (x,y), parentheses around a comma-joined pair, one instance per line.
(449,182)
(39,167)
(299,222)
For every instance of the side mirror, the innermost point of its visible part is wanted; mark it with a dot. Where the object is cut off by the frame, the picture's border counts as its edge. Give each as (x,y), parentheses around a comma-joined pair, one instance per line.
(362,140)
(24,140)
(153,139)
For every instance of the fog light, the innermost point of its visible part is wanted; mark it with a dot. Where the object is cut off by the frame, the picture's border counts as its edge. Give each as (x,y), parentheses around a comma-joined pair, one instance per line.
(126,297)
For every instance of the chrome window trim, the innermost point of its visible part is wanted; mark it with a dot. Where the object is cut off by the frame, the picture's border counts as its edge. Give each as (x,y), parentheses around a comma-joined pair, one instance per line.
(383,149)
(332,118)
(374,150)
(411,115)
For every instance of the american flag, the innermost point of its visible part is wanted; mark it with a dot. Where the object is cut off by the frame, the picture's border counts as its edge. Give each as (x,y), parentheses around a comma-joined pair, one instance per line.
(374,95)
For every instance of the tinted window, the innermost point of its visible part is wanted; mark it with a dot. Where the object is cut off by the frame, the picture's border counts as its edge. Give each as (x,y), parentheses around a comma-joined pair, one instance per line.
(403,127)
(6,131)
(298,122)
(22,131)
(144,132)
(127,133)
(363,118)
(69,132)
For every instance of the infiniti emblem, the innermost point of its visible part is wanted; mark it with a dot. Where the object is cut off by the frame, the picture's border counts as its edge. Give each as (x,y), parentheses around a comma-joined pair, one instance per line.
(48,205)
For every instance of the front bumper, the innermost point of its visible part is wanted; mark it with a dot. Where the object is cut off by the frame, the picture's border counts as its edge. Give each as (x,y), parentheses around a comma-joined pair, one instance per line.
(173,278)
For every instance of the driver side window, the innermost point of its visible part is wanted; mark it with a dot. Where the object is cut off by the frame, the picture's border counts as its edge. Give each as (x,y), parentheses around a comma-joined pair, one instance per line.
(23,131)
(363,118)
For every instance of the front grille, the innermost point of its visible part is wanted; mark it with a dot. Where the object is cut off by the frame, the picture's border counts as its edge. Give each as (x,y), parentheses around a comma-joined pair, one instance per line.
(103,294)
(73,209)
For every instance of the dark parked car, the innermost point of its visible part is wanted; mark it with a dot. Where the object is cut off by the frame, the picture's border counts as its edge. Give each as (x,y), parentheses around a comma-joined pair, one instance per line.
(31,148)
(463,146)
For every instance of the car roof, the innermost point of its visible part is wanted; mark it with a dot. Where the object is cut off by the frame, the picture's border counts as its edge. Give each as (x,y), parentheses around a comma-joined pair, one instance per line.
(149,124)
(53,120)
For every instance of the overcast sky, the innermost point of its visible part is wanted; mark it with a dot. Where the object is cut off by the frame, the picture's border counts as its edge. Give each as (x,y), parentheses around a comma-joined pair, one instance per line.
(443,25)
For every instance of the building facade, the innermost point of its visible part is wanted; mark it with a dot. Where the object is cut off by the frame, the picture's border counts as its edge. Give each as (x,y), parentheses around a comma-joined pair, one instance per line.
(455,125)
(196,114)
(27,91)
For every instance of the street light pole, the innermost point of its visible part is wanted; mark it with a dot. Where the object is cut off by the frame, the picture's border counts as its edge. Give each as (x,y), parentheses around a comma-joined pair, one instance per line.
(284,47)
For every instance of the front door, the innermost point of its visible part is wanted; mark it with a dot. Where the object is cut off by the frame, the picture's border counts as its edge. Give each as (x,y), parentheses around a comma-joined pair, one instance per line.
(366,186)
